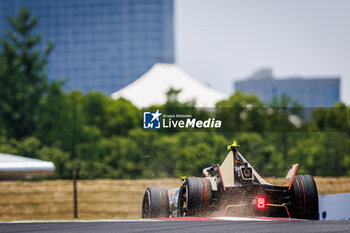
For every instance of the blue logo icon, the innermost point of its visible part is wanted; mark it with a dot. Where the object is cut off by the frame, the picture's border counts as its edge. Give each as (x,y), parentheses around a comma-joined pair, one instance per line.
(151,120)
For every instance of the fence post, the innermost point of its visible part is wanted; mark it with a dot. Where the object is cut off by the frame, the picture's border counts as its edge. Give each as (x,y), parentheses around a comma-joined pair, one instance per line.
(75,196)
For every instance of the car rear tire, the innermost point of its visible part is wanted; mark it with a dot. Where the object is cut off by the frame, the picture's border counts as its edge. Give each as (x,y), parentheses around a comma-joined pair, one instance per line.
(195,197)
(155,203)
(305,198)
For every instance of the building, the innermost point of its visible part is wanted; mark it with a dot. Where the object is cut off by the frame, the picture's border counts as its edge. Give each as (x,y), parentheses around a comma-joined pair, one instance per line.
(151,88)
(322,91)
(100,44)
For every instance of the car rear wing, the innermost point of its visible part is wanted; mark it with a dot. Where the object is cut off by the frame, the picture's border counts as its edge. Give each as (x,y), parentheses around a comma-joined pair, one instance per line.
(288,180)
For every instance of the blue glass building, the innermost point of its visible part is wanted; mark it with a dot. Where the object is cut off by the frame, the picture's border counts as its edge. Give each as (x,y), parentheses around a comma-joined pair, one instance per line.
(100,44)
(310,92)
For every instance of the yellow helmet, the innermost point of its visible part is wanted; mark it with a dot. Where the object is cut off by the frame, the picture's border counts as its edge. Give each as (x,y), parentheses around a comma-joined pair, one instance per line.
(234,144)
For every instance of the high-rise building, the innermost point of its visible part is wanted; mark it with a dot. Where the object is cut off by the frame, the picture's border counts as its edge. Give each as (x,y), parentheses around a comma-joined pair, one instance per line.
(100,44)
(310,92)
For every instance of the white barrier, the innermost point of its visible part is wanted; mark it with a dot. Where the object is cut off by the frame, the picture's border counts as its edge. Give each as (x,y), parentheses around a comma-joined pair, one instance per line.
(334,206)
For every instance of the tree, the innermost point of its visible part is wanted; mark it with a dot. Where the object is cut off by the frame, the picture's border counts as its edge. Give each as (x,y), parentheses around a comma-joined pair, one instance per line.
(112,117)
(280,111)
(74,126)
(173,101)
(330,119)
(242,113)
(22,75)
(52,116)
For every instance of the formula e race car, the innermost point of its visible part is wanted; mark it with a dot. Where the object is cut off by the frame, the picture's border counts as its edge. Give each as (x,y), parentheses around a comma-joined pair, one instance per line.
(234,188)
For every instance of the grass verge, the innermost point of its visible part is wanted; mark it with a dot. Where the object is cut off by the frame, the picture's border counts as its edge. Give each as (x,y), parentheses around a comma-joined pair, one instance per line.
(100,199)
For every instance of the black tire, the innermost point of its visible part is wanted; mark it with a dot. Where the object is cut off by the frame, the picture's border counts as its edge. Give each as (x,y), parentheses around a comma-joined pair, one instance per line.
(155,203)
(195,197)
(305,198)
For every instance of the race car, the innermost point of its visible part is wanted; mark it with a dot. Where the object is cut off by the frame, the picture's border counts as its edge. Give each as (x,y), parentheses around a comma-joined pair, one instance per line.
(234,188)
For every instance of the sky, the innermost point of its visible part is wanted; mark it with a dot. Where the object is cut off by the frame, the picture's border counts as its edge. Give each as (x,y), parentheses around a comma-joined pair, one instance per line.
(220,41)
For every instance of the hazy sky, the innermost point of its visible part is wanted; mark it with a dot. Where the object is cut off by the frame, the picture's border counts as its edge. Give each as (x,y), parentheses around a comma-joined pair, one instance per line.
(219,41)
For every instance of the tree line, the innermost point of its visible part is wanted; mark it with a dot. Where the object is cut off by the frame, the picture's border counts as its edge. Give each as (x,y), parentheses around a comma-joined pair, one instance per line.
(38,119)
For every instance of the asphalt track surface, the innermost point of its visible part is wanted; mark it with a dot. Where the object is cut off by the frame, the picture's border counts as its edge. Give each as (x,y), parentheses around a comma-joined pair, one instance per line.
(177,226)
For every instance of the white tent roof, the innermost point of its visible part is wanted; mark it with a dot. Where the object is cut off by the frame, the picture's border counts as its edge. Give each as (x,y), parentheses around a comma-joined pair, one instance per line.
(14,166)
(151,88)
